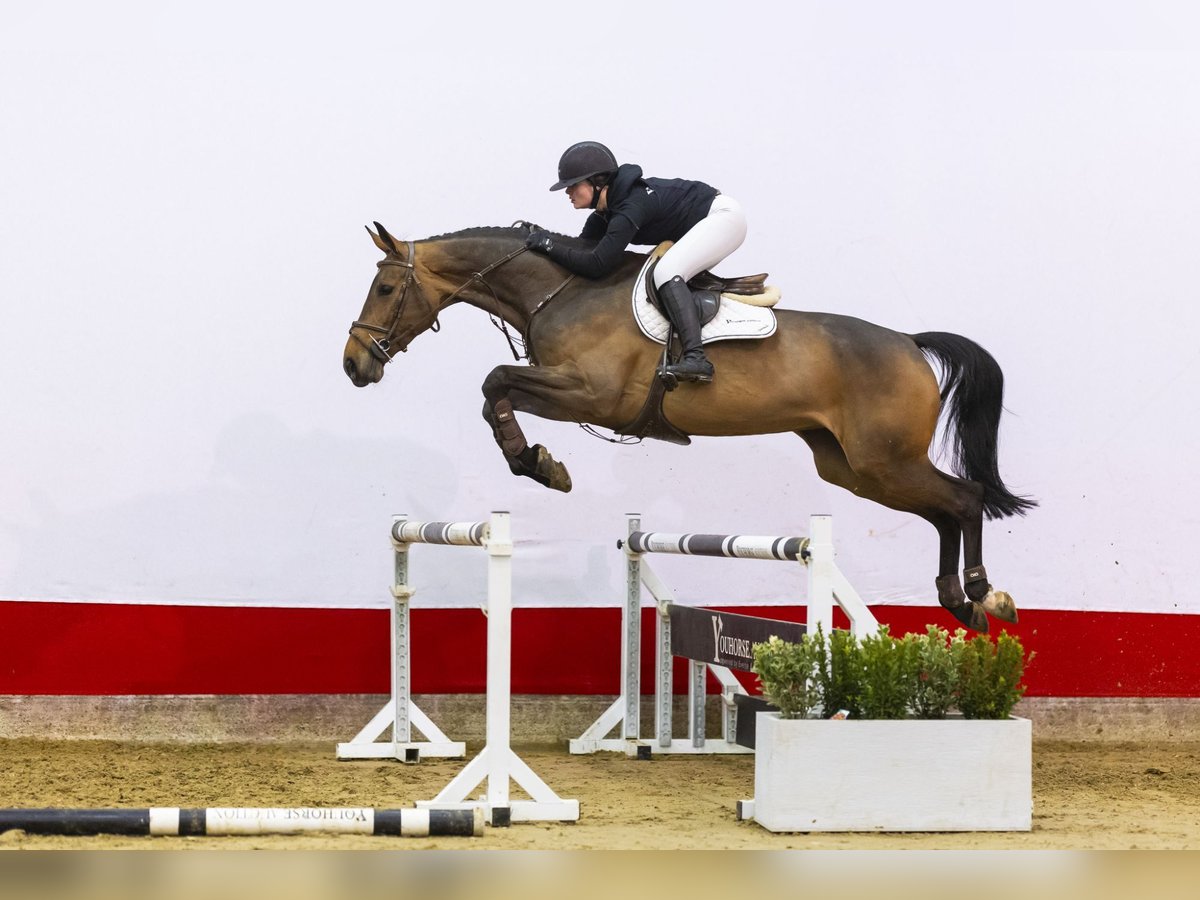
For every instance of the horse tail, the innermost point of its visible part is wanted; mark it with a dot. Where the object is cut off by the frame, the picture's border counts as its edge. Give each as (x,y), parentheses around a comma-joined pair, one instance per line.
(973,393)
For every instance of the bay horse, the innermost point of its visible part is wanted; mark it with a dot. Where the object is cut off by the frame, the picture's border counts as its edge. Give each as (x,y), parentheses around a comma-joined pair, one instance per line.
(863,397)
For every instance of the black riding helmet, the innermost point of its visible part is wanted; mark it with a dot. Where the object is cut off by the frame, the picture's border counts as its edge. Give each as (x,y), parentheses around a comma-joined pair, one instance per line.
(581,161)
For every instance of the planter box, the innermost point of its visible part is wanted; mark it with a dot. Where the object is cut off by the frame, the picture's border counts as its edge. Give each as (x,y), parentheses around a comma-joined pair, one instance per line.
(949,774)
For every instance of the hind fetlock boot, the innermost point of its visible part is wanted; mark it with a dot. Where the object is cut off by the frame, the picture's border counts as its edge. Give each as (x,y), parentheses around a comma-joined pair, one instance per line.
(677,298)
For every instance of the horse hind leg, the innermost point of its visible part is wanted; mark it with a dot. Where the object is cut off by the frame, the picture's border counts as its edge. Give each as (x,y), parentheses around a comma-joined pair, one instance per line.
(950,513)
(949,589)
(978,589)
(834,467)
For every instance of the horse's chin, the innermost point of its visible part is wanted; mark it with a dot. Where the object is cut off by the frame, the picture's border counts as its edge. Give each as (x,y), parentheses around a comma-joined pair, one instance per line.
(362,372)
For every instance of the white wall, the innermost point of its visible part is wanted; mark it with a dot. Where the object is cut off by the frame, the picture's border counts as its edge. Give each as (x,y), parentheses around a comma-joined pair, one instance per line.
(184,187)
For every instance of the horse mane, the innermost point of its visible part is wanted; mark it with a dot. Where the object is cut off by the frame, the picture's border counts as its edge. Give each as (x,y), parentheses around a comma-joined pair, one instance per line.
(518,230)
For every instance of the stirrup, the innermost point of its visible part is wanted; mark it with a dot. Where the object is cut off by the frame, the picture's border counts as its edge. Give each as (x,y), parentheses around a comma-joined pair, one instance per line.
(668,379)
(697,369)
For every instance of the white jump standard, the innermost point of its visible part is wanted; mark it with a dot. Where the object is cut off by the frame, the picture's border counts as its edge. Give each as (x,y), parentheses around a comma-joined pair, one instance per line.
(496,763)
(713,641)
(400,714)
(244,820)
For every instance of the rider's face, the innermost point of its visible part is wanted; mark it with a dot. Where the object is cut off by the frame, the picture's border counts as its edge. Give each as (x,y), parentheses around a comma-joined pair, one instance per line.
(581,194)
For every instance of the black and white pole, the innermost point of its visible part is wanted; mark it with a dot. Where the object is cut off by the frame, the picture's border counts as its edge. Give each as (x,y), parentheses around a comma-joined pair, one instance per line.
(732,546)
(244,820)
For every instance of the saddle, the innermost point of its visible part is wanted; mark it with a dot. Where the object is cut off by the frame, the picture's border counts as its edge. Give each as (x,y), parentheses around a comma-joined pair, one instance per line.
(737,319)
(708,289)
(724,316)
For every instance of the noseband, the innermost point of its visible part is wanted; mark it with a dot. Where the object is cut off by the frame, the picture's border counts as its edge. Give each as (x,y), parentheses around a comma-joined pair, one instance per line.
(380,348)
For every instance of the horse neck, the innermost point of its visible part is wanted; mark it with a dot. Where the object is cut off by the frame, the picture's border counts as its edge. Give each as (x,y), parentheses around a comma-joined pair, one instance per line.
(458,270)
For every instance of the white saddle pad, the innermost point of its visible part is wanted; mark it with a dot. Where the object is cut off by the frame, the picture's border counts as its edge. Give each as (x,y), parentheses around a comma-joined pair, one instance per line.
(734,320)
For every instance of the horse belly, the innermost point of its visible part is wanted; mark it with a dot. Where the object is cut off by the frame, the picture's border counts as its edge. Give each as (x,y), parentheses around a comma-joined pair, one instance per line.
(829,372)
(728,407)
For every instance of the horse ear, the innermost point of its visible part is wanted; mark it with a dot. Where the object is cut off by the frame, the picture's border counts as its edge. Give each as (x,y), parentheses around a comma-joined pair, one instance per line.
(383,240)
(387,238)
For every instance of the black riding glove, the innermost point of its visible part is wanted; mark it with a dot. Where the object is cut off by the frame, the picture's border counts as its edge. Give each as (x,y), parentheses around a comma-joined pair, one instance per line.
(539,241)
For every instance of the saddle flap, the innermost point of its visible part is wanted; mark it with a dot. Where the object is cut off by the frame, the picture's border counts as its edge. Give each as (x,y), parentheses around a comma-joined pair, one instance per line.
(708,303)
(723,318)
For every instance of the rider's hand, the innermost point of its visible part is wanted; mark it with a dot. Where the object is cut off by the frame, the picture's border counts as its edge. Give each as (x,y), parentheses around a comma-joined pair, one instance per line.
(539,241)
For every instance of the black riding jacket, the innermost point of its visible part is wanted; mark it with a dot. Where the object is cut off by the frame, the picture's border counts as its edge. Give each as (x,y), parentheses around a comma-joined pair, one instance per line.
(640,211)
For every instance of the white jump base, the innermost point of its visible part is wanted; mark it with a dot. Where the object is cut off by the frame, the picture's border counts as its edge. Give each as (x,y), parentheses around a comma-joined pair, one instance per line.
(827,585)
(497,764)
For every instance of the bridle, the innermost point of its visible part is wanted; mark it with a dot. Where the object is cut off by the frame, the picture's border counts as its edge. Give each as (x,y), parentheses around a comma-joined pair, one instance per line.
(381,348)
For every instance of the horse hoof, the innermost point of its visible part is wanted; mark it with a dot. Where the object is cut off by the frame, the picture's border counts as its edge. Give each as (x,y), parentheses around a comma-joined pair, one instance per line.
(949,591)
(972,615)
(1000,604)
(555,473)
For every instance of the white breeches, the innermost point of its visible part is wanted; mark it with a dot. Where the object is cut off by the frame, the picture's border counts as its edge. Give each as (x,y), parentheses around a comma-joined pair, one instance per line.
(711,240)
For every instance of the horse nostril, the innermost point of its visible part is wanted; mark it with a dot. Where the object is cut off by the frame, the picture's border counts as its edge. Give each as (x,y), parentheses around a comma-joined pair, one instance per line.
(350,368)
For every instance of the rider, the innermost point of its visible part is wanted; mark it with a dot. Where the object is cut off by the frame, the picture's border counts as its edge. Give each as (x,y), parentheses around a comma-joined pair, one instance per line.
(705,225)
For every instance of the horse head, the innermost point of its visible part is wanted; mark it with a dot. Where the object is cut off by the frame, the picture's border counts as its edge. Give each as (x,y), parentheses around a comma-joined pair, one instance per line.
(396,311)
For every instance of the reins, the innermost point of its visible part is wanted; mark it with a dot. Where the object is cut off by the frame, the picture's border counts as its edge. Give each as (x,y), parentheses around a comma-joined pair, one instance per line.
(529,324)
(380,348)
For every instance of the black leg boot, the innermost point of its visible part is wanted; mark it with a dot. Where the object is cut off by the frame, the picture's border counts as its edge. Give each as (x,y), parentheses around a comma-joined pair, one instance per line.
(676,297)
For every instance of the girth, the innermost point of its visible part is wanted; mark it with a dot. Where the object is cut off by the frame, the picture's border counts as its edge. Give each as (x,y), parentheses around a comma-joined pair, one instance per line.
(651,422)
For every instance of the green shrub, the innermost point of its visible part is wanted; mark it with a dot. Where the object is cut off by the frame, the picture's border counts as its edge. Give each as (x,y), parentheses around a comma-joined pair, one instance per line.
(785,671)
(989,675)
(882,677)
(839,672)
(889,675)
(935,684)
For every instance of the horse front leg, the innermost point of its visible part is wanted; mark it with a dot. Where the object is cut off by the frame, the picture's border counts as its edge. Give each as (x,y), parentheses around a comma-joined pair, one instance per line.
(552,393)
(534,462)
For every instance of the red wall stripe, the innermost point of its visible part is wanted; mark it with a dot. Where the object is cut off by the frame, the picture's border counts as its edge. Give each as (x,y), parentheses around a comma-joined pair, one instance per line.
(99,649)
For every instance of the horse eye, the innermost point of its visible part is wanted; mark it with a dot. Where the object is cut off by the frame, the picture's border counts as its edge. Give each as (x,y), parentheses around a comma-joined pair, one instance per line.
(386,288)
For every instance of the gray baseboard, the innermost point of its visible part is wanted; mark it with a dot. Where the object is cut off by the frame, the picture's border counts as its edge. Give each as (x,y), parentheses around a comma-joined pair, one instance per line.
(536,719)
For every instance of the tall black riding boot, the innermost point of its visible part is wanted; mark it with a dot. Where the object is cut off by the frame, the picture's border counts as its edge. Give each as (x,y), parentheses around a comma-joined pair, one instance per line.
(677,298)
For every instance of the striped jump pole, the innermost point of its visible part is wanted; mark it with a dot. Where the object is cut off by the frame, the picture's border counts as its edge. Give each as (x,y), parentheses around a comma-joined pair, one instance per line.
(400,715)
(244,820)
(732,546)
(713,641)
